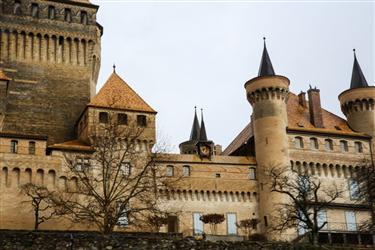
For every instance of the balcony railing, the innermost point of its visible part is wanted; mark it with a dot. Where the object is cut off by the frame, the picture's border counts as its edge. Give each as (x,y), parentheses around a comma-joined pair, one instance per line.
(341,227)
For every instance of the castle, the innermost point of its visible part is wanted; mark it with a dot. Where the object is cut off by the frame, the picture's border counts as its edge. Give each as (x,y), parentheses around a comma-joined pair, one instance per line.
(49,64)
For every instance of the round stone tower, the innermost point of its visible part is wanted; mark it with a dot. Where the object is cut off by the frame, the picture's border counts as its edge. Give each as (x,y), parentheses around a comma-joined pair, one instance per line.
(268,94)
(358,103)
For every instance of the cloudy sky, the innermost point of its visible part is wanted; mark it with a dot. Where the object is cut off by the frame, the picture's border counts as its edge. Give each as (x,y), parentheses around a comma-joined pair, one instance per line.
(178,54)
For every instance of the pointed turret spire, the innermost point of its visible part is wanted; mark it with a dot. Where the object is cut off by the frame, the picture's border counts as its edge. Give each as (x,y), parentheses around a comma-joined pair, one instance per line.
(202,134)
(265,68)
(358,79)
(194,135)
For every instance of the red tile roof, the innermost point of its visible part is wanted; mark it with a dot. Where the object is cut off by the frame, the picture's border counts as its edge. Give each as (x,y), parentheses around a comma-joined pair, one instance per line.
(299,120)
(117,94)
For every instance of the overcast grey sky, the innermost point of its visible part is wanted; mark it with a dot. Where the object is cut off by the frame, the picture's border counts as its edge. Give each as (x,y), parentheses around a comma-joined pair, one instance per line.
(178,54)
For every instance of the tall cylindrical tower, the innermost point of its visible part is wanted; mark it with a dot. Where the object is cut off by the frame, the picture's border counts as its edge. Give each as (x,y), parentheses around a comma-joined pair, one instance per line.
(358,103)
(268,94)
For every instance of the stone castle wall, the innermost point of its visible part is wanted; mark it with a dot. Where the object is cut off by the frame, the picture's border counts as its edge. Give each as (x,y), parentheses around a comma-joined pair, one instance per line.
(53,64)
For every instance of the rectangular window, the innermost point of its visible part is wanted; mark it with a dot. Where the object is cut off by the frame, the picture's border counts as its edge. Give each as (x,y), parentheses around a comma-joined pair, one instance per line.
(231,224)
(353,189)
(298,142)
(103,117)
(123,219)
(51,12)
(186,171)
(68,15)
(197,224)
(82,164)
(83,17)
(32,147)
(170,170)
(125,169)
(252,174)
(14,146)
(351,224)
(122,119)
(358,147)
(314,144)
(344,146)
(141,120)
(328,144)
(322,218)
(34,10)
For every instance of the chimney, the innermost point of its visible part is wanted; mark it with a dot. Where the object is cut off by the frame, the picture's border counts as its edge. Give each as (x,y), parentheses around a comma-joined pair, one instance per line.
(316,117)
(302,99)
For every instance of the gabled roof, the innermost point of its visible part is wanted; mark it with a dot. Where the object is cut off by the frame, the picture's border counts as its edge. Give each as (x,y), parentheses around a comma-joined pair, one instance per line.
(117,94)
(299,120)
(358,79)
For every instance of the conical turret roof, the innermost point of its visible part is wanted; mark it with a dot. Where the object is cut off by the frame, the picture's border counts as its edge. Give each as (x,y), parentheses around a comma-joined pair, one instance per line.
(195,129)
(265,68)
(202,133)
(358,79)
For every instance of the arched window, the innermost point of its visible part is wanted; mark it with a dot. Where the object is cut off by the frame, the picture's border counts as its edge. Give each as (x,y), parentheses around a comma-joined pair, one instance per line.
(252,173)
(344,146)
(298,142)
(170,170)
(103,117)
(314,144)
(358,147)
(14,146)
(186,170)
(328,144)
(32,147)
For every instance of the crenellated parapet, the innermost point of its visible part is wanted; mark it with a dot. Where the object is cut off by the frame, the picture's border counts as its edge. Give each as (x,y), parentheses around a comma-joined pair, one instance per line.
(358,100)
(261,88)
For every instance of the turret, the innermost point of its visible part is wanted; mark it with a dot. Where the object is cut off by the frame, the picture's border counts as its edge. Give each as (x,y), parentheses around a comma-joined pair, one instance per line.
(268,94)
(357,103)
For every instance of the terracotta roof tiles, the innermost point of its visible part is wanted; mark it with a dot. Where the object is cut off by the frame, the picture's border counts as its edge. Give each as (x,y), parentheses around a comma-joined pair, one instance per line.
(117,94)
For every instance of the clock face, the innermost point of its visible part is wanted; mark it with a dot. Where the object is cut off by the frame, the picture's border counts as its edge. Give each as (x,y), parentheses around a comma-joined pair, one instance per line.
(205,150)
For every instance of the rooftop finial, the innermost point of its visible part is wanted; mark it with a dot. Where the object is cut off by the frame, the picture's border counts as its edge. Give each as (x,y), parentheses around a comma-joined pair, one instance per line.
(114,68)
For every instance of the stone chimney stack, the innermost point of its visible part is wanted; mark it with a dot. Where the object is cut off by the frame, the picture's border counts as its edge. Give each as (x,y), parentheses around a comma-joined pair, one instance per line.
(302,99)
(316,117)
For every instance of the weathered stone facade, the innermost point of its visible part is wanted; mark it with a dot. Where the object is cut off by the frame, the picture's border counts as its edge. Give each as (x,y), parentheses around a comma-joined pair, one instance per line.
(51,52)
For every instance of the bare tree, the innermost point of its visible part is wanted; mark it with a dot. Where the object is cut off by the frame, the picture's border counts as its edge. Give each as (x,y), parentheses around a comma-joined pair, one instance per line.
(305,198)
(41,200)
(363,189)
(118,182)
(248,226)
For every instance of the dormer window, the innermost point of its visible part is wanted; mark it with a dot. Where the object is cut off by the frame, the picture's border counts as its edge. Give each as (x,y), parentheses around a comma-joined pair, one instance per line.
(68,15)
(34,10)
(103,117)
(141,121)
(122,119)
(51,12)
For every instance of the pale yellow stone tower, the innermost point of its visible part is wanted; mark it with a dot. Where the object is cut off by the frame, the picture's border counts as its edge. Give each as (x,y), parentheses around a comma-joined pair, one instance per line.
(268,94)
(357,103)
